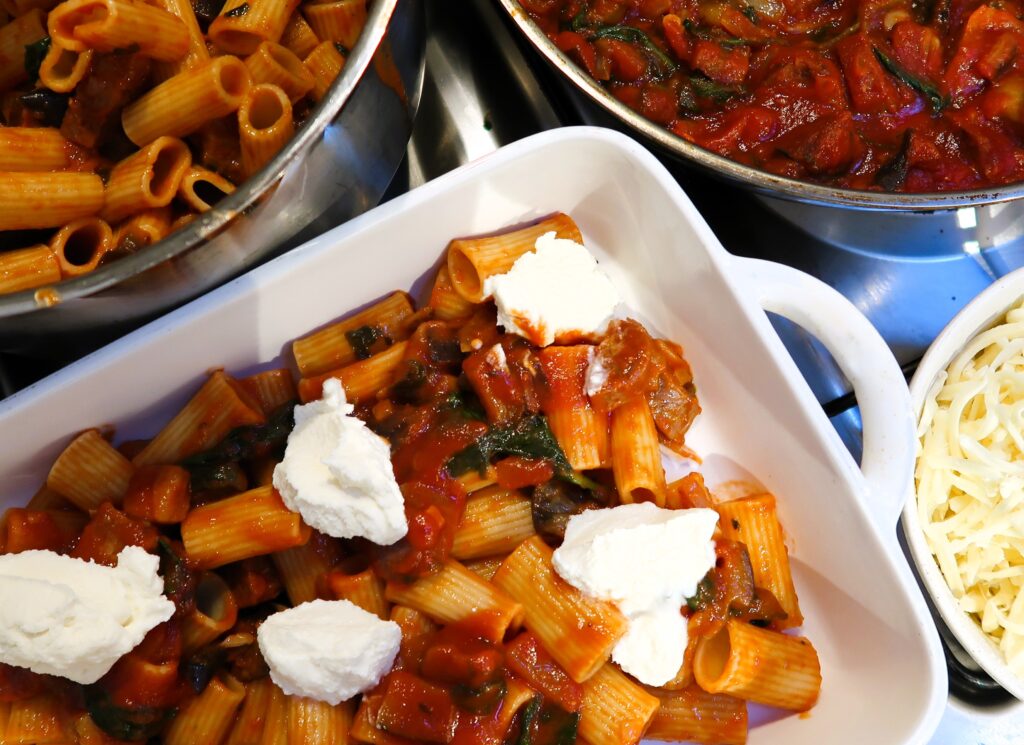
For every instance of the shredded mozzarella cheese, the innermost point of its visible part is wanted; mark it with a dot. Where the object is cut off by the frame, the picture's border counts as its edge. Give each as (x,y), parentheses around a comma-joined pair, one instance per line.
(970,481)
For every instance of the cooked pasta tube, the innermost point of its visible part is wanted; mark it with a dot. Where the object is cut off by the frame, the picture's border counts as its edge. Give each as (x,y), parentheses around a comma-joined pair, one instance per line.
(474,481)
(313,722)
(299,37)
(361,380)
(63,69)
(47,200)
(106,25)
(325,63)
(32,721)
(184,103)
(364,589)
(201,188)
(214,614)
(253,523)
(759,665)
(486,568)
(264,125)
(301,568)
(81,245)
(616,710)
(37,149)
(26,268)
(496,520)
(219,406)
(272,388)
(754,522)
(693,715)
(455,593)
(636,456)
(141,230)
(208,717)
(275,64)
(90,471)
(146,179)
(331,347)
(341,21)
(197,52)
(14,37)
(581,431)
(243,24)
(253,717)
(472,260)
(446,302)
(275,731)
(557,613)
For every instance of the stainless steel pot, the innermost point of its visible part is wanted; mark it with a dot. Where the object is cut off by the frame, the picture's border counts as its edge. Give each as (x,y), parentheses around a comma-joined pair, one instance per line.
(337,166)
(765,183)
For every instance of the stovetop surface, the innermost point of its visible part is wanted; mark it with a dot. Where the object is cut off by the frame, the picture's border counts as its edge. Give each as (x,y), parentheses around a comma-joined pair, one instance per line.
(485,88)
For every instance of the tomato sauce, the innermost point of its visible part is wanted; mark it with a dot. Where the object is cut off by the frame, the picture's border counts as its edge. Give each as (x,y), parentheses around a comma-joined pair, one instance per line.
(883,95)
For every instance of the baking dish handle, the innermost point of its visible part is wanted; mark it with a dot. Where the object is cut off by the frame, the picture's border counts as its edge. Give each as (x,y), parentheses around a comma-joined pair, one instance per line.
(867,362)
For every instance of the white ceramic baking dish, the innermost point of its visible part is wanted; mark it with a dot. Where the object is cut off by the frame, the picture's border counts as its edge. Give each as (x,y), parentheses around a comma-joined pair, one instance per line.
(983,312)
(884,680)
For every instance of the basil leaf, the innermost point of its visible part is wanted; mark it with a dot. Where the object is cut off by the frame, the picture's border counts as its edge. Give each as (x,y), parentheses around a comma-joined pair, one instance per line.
(706,35)
(34,55)
(708,88)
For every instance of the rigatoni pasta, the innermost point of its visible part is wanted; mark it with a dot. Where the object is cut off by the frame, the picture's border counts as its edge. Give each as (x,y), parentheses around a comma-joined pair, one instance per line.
(496,448)
(78,73)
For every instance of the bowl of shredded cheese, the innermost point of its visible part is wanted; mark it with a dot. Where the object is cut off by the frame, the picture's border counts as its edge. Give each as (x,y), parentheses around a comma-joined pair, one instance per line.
(965,524)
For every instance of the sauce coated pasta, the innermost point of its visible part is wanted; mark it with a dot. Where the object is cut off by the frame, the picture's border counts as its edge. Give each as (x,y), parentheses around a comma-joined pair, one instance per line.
(123,119)
(497,446)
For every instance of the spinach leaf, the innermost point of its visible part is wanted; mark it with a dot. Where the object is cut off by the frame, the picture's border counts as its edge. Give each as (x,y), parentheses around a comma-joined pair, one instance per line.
(530,437)
(529,717)
(466,405)
(482,700)
(179,582)
(707,35)
(708,88)
(50,105)
(223,477)
(251,441)
(568,732)
(34,54)
(238,12)
(406,389)
(124,724)
(751,13)
(631,35)
(343,50)
(363,338)
(935,98)
(206,11)
(705,594)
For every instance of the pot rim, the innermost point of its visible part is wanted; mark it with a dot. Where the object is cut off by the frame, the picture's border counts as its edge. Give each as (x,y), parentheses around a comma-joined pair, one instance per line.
(217,219)
(748,176)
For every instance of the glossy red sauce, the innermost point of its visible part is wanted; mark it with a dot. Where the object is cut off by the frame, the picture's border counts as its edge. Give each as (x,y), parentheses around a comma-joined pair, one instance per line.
(886,95)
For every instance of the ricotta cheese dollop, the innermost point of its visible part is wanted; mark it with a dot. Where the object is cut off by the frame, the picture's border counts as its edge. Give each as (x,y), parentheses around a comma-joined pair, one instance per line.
(556,293)
(647,560)
(329,650)
(337,474)
(74,618)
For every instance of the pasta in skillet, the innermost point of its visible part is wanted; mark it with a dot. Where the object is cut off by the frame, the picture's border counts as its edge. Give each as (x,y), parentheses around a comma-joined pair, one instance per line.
(501,451)
(123,119)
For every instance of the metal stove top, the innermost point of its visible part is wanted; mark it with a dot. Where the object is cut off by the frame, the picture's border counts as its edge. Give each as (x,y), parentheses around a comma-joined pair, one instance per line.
(910,276)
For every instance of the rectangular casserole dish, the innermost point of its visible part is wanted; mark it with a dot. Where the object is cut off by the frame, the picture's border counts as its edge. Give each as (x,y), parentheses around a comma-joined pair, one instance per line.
(884,678)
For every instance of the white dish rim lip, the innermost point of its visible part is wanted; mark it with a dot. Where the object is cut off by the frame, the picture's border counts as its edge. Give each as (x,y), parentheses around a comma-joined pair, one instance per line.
(726,263)
(979,314)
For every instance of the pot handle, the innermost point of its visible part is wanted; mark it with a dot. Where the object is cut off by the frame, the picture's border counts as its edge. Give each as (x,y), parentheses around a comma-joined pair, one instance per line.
(869,365)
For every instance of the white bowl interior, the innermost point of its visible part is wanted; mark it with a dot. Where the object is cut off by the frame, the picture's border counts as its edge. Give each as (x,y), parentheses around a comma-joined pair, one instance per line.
(981,313)
(883,680)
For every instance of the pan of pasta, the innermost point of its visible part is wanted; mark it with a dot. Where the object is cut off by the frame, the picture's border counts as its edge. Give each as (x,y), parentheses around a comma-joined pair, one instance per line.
(151,150)
(962,520)
(515,460)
